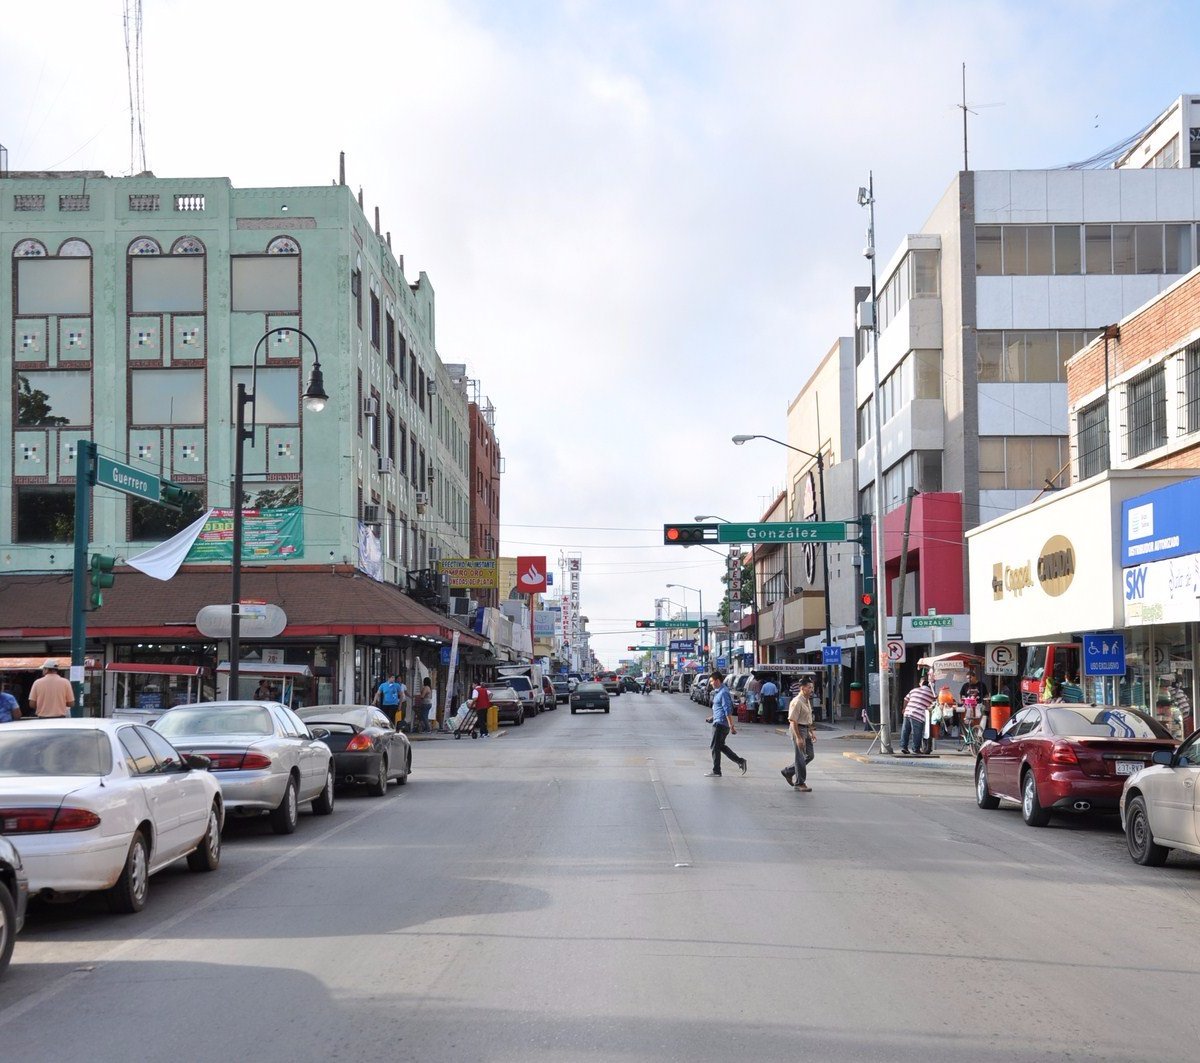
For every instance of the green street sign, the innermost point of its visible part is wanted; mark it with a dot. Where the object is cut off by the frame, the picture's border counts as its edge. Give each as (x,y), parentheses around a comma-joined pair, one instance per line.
(648,649)
(668,623)
(932,621)
(128,479)
(813,531)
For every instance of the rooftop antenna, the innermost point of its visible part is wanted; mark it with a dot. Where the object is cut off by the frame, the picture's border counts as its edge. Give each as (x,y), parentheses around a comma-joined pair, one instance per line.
(969,110)
(135,75)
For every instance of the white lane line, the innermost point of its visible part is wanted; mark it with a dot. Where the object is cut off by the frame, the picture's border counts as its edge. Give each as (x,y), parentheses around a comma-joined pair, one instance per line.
(16,1010)
(679,846)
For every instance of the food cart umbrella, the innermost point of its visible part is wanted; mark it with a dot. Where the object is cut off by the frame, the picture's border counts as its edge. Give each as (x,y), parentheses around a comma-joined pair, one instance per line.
(951,665)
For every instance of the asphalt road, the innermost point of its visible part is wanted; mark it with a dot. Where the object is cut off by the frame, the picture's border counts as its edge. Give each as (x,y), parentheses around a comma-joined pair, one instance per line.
(576,890)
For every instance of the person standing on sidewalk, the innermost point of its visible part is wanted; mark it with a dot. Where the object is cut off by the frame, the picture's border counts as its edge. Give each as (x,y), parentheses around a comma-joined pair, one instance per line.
(51,696)
(10,708)
(800,723)
(388,698)
(770,700)
(917,703)
(722,720)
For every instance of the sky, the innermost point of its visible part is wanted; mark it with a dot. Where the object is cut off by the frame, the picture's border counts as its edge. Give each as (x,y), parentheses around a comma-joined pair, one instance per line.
(639,218)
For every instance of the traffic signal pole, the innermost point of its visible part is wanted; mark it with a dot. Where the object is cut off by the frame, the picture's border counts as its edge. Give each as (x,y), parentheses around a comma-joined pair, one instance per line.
(85,458)
(872,586)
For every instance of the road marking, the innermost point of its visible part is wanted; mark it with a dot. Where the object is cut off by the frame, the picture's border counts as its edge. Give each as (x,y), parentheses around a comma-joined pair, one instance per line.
(679,846)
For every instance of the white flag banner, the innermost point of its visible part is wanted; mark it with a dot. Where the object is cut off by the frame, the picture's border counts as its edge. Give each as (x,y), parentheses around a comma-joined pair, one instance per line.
(163,561)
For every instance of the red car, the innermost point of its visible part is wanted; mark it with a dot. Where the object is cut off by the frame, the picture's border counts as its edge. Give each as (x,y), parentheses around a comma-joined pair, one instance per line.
(1065,758)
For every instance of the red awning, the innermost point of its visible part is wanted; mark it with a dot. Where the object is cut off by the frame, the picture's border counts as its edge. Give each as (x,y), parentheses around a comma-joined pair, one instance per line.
(154,669)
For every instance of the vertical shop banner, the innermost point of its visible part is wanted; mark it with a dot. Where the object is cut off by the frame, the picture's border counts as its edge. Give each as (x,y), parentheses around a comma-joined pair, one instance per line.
(370,552)
(531,575)
(266,534)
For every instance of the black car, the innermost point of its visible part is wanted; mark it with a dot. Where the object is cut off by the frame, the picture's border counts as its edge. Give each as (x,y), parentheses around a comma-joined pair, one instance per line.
(562,691)
(589,696)
(629,683)
(366,748)
(14,895)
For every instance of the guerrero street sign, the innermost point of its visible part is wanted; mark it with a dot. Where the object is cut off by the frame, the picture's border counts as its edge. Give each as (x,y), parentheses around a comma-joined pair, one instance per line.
(813,531)
(128,479)
(932,621)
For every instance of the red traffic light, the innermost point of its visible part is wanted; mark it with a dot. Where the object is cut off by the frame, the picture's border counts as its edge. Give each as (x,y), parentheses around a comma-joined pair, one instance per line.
(673,534)
(641,623)
(867,599)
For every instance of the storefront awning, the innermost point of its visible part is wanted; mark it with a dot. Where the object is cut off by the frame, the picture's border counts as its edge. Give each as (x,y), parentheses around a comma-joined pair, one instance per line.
(34,664)
(258,668)
(134,668)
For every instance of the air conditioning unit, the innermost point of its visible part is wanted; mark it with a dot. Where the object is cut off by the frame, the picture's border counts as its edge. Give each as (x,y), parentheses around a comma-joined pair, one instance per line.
(435,555)
(387,466)
(422,500)
(371,407)
(462,606)
(431,386)
(371,515)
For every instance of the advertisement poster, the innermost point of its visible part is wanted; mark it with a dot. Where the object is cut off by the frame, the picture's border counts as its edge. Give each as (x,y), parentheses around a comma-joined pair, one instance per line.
(469,573)
(266,534)
(370,552)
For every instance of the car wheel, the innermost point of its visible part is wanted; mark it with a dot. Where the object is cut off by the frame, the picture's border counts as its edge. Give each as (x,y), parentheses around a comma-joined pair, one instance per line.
(128,895)
(403,780)
(207,855)
(984,797)
(285,818)
(573,710)
(1031,808)
(323,803)
(606,710)
(8,926)
(1142,846)
(520,716)
(379,787)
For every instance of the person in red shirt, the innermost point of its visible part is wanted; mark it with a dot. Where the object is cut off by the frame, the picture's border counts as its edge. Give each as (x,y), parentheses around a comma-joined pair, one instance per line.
(480,701)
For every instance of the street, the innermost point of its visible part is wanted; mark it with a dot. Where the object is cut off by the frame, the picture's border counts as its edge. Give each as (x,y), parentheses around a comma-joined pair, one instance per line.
(575,889)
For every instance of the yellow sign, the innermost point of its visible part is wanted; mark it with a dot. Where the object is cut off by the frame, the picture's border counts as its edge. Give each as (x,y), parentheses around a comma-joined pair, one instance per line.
(469,573)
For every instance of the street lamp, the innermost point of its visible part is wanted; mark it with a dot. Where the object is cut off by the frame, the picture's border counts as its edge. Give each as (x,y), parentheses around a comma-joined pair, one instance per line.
(314,401)
(753,592)
(820,460)
(700,628)
(866,198)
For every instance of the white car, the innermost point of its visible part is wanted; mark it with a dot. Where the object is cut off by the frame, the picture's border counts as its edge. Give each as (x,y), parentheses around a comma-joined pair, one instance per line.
(1160,810)
(102,805)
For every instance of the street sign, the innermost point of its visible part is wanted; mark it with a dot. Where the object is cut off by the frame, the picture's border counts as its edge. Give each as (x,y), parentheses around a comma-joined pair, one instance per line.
(683,624)
(128,479)
(831,655)
(1103,654)
(1000,658)
(648,649)
(683,645)
(932,621)
(813,531)
(257,621)
(896,651)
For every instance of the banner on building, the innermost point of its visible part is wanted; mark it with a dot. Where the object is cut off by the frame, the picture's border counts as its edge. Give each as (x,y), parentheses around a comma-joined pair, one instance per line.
(370,552)
(266,534)
(469,573)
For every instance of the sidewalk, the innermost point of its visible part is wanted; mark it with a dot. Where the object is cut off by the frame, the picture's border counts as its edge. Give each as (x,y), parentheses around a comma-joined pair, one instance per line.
(847,737)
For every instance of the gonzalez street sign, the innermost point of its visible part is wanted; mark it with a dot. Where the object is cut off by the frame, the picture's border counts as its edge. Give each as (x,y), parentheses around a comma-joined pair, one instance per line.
(932,621)
(812,531)
(128,479)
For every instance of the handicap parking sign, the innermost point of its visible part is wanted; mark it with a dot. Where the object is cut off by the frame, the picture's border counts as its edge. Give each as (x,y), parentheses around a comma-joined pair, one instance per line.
(831,655)
(1104,655)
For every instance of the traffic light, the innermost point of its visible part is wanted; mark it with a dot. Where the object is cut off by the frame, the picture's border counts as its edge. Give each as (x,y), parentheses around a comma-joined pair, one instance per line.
(643,623)
(102,577)
(175,496)
(688,534)
(867,611)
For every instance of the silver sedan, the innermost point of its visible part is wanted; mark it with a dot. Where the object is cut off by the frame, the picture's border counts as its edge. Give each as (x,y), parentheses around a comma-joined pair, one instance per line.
(264,757)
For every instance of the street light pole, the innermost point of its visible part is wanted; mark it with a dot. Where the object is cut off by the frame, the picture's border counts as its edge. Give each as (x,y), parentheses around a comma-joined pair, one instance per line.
(819,456)
(314,401)
(700,622)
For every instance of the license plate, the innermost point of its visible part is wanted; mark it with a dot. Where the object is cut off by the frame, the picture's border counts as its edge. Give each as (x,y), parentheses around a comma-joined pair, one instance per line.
(1128,767)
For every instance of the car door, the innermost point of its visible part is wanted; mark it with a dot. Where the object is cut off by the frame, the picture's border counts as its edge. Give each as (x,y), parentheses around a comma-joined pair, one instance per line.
(1029,745)
(314,757)
(1173,807)
(193,795)
(392,742)
(161,796)
(1002,757)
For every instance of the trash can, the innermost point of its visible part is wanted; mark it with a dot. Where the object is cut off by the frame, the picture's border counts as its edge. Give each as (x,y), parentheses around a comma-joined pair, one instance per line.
(493,719)
(856,697)
(1001,710)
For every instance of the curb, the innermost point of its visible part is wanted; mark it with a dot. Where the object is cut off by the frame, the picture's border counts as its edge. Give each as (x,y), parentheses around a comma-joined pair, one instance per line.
(959,763)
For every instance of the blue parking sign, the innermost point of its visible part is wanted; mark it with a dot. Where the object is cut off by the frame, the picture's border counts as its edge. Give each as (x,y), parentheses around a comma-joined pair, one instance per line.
(1103,654)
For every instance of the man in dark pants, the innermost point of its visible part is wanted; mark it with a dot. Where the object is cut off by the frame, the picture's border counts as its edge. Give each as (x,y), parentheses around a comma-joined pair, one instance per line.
(800,724)
(723,725)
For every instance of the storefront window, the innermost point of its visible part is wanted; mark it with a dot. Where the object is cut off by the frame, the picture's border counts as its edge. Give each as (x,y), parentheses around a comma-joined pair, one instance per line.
(1173,678)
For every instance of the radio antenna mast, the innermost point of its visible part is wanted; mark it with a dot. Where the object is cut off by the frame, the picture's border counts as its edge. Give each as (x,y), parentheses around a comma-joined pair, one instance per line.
(135,75)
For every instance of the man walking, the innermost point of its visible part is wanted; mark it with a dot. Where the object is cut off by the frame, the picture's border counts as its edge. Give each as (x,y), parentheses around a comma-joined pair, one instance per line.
(917,703)
(51,696)
(770,700)
(800,723)
(723,725)
(480,701)
(388,697)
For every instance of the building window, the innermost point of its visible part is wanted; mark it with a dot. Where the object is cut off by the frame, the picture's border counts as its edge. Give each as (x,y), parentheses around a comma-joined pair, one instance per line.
(375,321)
(148,521)
(356,294)
(412,374)
(390,454)
(54,399)
(1091,439)
(265,284)
(1020,463)
(54,286)
(401,356)
(1146,412)
(1191,387)
(1026,357)
(403,451)
(166,284)
(276,394)
(390,328)
(168,396)
(375,425)
(866,421)
(45,514)
(1040,250)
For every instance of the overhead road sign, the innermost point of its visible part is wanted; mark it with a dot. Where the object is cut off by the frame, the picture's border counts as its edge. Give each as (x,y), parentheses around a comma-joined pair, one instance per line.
(126,478)
(648,649)
(811,531)
(688,624)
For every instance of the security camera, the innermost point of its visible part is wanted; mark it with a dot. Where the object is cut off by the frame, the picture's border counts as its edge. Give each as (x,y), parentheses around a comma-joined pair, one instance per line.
(864,197)
(868,251)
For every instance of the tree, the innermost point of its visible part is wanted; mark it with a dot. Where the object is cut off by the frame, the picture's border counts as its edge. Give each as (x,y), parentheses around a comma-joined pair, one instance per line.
(33,407)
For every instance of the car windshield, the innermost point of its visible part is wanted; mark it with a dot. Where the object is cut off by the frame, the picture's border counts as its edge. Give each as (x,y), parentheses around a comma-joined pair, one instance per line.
(518,682)
(1093,722)
(216,720)
(589,688)
(501,692)
(327,714)
(55,751)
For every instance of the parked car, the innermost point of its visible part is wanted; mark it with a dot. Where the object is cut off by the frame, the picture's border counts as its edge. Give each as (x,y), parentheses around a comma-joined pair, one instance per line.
(699,687)
(530,698)
(630,684)
(14,896)
(675,683)
(549,694)
(737,688)
(1069,758)
(610,682)
(1159,806)
(562,691)
(509,707)
(366,748)
(101,805)
(263,755)
(589,696)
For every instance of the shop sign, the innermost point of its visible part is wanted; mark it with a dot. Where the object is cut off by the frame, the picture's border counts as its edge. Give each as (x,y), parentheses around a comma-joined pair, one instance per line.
(1056,565)
(1162,592)
(1161,524)
(1000,658)
(266,534)
(469,573)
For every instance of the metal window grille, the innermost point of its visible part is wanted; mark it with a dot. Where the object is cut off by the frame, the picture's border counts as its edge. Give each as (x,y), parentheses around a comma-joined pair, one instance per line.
(143,201)
(75,202)
(1146,412)
(1191,387)
(189,201)
(1091,437)
(28,201)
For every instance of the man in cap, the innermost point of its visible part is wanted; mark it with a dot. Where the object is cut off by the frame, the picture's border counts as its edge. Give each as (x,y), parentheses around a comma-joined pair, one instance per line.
(51,696)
